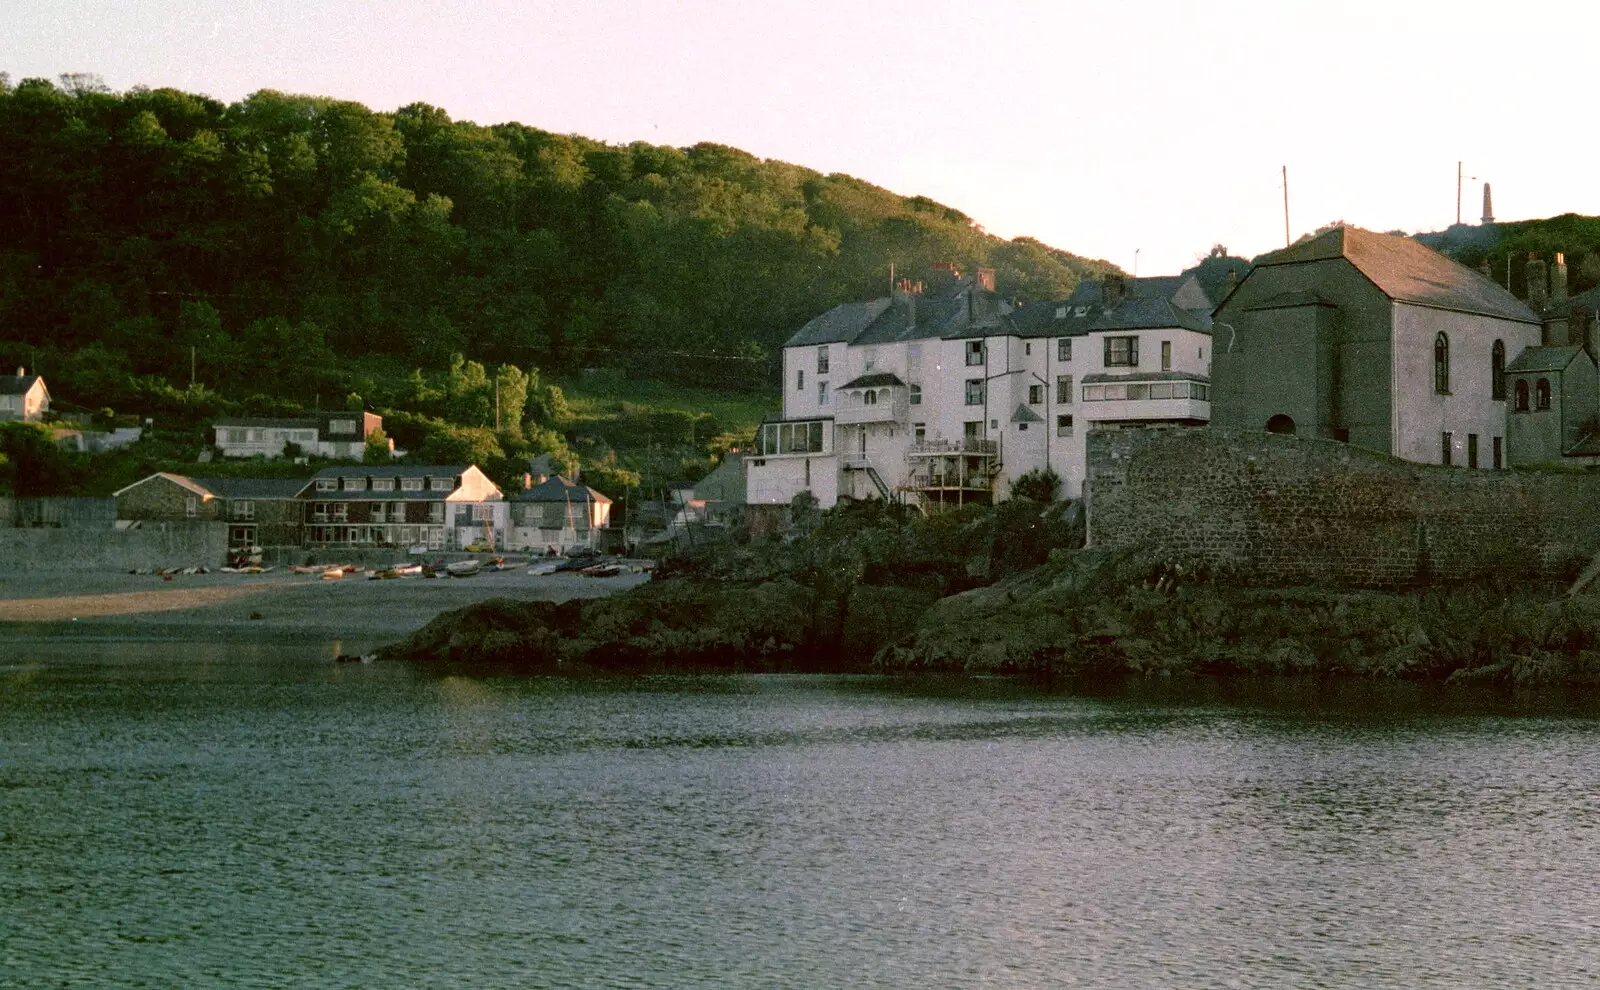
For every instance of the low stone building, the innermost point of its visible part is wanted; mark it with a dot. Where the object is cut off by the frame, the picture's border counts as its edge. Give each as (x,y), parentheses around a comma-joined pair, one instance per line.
(259,512)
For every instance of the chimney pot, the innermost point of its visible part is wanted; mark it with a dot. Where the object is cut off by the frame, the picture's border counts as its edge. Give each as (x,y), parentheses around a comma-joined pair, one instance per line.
(1558,280)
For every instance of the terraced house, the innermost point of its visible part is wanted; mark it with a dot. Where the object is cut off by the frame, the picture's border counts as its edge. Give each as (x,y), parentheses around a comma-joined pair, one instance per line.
(945,393)
(439,507)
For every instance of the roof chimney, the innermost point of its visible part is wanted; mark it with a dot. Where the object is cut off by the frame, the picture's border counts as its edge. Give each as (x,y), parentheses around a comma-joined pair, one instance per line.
(1488,208)
(1558,280)
(986,279)
(1537,289)
(22,372)
(1112,289)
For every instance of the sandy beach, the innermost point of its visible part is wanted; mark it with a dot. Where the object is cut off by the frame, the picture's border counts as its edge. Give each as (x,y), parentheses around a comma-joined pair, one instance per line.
(255,606)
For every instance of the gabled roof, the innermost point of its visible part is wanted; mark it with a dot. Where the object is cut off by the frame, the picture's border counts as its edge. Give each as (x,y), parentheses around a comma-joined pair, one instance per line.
(19,384)
(253,488)
(1406,270)
(559,489)
(1146,304)
(840,324)
(1534,359)
(1023,414)
(875,380)
(181,481)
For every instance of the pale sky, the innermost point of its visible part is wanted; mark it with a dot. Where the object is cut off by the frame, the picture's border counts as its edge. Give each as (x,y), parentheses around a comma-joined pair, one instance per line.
(1102,127)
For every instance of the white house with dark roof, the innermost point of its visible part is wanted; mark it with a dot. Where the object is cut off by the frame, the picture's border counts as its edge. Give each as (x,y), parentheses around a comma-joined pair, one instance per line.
(23,397)
(557,514)
(333,435)
(442,507)
(943,393)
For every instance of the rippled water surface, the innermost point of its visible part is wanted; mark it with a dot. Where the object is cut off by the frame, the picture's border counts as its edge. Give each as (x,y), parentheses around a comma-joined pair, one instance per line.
(233,816)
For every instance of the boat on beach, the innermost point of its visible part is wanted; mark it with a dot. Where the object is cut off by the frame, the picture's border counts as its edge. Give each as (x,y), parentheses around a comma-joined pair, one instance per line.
(464,568)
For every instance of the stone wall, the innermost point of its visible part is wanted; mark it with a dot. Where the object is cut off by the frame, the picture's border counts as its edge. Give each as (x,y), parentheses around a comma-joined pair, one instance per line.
(151,544)
(69,513)
(1284,510)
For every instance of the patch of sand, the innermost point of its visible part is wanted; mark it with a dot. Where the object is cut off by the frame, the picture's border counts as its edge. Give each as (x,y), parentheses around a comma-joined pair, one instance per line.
(123,603)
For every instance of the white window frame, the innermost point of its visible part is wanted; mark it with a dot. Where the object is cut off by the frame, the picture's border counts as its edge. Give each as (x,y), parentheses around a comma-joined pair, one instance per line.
(411,484)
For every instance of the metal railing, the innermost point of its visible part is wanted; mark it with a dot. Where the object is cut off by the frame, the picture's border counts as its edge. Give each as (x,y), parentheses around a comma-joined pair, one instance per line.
(926,448)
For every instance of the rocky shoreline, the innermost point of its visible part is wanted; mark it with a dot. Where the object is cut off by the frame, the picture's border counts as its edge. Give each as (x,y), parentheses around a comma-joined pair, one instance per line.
(876,592)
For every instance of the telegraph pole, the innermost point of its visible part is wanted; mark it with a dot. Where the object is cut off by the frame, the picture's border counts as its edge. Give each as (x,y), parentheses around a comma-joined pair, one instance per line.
(1286,206)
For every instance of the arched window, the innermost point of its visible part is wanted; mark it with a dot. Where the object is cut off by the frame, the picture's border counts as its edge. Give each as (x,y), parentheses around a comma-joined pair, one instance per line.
(1541,394)
(1520,403)
(1497,370)
(870,397)
(1441,364)
(1281,424)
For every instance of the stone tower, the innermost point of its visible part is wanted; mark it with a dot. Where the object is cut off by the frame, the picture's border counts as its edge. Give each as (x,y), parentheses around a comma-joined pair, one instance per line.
(1488,206)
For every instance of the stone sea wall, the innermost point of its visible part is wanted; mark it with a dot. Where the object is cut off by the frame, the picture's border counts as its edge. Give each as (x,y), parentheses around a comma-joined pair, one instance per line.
(1268,509)
(172,544)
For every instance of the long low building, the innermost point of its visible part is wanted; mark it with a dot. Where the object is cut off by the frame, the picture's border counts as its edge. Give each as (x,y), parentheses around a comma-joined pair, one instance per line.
(448,507)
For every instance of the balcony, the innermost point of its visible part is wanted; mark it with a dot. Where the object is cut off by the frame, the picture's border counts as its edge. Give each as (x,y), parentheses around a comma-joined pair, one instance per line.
(872,398)
(967,446)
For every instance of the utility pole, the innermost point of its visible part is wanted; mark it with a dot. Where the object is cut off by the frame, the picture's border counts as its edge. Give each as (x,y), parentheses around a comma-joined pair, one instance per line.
(1286,206)
(1458,191)
(191,368)
(1136,261)
(497,405)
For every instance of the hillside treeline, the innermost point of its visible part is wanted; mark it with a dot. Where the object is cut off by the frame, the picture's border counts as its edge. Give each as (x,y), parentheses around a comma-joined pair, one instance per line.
(300,244)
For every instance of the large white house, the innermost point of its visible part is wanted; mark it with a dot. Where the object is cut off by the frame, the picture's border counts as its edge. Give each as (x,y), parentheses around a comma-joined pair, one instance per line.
(944,393)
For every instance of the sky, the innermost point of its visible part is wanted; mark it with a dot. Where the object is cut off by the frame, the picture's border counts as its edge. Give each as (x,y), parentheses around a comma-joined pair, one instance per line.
(1142,133)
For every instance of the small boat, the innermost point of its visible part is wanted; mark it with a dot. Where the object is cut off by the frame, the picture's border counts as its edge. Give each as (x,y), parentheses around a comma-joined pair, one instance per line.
(464,568)
(602,570)
(543,570)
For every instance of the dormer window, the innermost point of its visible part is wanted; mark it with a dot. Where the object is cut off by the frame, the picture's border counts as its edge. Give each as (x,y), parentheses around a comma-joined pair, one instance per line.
(355,484)
(442,484)
(383,484)
(411,484)
(327,484)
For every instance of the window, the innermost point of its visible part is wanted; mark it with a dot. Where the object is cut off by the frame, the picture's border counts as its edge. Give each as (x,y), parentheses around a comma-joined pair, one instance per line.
(1447,440)
(916,395)
(1498,458)
(1472,450)
(1027,349)
(383,484)
(411,484)
(191,506)
(1441,365)
(1035,394)
(327,484)
(869,398)
(1122,352)
(242,536)
(1064,349)
(822,359)
(791,438)
(800,380)
(822,393)
(919,431)
(481,513)
(1541,394)
(1166,355)
(244,509)
(1520,404)
(974,353)
(1497,370)
(972,429)
(341,511)
(974,391)
(1064,426)
(355,484)
(442,484)
(1064,389)
(436,512)
(342,427)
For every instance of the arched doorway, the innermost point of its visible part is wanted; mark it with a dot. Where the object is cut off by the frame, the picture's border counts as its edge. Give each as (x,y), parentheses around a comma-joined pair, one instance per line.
(1281,424)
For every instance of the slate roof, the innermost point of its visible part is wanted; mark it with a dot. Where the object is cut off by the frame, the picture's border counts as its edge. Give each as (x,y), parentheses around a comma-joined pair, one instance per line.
(877,379)
(1145,376)
(1286,300)
(253,488)
(1543,359)
(177,479)
(1406,270)
(559,489)
(393,471)
(840,324)
(1025,415)
(1144,310)
(18,384)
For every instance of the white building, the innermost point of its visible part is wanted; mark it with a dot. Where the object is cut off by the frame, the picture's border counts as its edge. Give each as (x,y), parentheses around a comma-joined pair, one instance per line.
(440,507)
(331,435)
(23,397)
(947,394)
(558,515)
